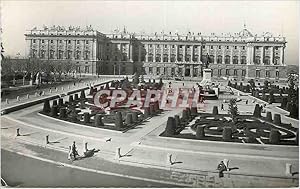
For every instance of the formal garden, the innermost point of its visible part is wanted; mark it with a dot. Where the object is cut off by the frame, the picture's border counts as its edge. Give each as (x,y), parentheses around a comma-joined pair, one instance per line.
(286,96)
(231,127)
(80,108)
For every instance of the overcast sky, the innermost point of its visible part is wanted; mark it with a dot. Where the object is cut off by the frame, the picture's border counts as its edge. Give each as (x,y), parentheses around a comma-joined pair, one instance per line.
(277,17)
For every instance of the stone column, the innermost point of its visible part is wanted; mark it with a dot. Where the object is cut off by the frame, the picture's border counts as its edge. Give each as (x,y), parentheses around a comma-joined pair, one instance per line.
(139,59)
(154,53)
(183,52)
(192,53)
(162,53)
(94,50)
(199,53)
(250,54)
(231,55)
(170,48)
(176,53)
(215,58)
(239,56)
(130,52)
(262,56)
(281,55)
(223,56)
(147,52)
(271,55)
(191,70)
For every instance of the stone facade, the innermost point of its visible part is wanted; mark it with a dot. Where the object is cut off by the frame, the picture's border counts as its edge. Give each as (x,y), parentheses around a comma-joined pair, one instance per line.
(239,56)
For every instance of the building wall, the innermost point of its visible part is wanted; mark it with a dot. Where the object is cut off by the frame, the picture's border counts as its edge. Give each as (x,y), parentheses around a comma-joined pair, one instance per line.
(240,56)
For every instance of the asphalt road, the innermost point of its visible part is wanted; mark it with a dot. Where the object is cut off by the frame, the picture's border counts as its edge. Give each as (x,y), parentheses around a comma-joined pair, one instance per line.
(20,171)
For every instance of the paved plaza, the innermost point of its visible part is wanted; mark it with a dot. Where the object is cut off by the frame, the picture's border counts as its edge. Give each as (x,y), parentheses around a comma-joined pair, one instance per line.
(195,161)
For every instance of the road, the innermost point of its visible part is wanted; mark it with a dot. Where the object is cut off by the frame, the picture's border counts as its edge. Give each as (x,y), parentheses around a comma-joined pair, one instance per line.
(20,171)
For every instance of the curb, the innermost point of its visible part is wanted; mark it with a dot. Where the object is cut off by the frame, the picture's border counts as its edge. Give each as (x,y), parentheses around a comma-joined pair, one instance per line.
(77,124)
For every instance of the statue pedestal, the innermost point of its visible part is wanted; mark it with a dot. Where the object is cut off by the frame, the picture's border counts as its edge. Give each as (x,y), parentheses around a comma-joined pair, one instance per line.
(206,81)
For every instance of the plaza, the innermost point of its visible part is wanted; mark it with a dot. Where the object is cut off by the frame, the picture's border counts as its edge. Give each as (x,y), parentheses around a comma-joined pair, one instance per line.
(142,147)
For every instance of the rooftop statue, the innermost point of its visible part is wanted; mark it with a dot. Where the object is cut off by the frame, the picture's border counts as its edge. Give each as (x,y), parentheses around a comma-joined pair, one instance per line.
(71,28)
(35,28)
(89,28)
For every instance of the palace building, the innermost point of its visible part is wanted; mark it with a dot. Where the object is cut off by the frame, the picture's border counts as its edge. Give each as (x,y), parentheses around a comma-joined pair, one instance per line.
(240,56)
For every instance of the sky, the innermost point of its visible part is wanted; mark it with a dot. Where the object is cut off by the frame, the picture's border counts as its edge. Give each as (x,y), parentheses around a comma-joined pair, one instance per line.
(277,17)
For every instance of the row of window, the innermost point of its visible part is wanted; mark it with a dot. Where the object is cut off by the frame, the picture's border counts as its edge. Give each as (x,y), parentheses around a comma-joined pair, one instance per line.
(60,41)
(211,58)
(163,70)
(195,46)
(266,48)
(60,55)
(267,74)
(267,60)
(86,69)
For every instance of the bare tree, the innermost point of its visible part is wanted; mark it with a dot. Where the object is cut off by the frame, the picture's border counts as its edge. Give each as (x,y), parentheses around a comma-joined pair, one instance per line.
(69,67)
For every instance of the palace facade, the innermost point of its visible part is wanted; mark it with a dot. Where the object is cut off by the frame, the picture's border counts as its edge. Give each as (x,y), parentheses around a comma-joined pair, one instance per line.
(240,56)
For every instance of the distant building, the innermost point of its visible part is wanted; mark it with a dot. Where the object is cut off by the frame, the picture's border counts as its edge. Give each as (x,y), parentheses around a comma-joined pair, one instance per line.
(238,56)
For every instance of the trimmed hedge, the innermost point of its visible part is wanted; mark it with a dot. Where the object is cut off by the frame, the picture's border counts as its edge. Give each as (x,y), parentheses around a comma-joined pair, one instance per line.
(274,136)
(170,128)
(227,134)
(119,120)
(200,133)
(215,110)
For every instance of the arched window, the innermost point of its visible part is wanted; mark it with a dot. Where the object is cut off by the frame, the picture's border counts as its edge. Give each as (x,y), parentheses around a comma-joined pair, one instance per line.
(219,59)
(157,70)
(165,59)
(158,58)
(227,59)
(235,60)
(150,58)
(276,60)
(243,60)
(195,58)
(180,57)
(257,60)
(188,58)
(267,60)
(211,58)
(173,58)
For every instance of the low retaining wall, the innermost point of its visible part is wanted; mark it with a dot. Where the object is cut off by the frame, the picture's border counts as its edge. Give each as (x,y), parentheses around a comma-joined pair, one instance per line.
(38,101)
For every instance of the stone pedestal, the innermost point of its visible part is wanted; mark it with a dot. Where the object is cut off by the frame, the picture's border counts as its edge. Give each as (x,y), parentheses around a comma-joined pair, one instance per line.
(206,81)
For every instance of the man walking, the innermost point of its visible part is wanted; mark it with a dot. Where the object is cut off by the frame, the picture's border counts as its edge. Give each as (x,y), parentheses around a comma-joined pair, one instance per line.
(74,151)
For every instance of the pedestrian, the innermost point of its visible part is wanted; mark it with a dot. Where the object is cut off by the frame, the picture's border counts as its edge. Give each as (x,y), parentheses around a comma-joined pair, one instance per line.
(221,168)
(222,106)
(74,151)
(246,101)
